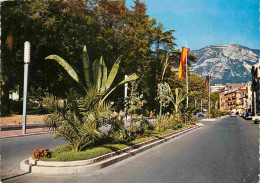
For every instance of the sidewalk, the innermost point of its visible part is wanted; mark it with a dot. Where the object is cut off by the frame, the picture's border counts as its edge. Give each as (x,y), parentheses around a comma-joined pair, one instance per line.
(18,133)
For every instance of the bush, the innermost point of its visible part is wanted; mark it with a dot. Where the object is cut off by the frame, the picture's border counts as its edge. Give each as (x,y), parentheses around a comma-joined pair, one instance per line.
(40,153)
(173,123)
(118,133)
(121,136)
(215,113)
(144,127)
(161,123)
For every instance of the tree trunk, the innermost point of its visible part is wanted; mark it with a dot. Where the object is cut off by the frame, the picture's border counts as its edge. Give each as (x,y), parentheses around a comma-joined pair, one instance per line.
(5,105)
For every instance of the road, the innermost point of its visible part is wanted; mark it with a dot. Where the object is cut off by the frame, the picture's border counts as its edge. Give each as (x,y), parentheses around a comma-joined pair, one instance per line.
(15,149)
(224,151)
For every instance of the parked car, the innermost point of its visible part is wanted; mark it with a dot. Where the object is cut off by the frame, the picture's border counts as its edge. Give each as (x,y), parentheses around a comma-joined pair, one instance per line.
(233,115)
(256,118)
(249,115)
(244,115)
(201,114)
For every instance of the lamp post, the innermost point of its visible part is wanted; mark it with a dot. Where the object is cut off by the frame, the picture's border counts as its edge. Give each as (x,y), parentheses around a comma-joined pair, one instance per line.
(126,87)
(26,70)
(209,96)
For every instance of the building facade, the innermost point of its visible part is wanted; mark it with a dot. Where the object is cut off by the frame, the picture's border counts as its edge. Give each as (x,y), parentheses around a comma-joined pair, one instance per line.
(236,98)
(216,87)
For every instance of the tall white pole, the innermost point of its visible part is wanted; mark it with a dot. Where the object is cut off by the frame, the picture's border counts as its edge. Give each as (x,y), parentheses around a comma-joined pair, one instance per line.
(26,70)
(254,103)
(126,87)
(187,79)
(209,96)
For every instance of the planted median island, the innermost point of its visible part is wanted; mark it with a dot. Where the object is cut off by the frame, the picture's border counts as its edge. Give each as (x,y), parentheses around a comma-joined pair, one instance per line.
(81,117)
(114,142)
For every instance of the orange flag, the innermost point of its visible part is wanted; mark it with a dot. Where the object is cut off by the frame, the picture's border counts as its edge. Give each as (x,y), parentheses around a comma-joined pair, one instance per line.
(183,61)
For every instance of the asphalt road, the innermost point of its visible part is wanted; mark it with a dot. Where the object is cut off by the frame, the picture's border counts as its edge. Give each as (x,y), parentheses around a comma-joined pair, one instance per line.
(16,149)
(224,151)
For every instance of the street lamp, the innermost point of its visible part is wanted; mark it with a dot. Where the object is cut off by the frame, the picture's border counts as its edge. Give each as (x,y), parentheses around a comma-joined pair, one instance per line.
(27,46)
(126,87)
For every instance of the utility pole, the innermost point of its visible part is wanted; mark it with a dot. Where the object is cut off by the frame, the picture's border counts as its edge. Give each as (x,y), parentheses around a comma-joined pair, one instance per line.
(187,76)
(26,70)
(209,96)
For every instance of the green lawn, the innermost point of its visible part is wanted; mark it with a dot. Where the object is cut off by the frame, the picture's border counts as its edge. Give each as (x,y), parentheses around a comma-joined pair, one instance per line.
(64,153)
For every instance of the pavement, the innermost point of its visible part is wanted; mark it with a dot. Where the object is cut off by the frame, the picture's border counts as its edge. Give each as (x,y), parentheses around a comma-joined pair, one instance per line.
(226,150)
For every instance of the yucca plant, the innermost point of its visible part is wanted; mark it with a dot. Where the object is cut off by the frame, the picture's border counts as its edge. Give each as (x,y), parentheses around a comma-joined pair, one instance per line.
(99,82)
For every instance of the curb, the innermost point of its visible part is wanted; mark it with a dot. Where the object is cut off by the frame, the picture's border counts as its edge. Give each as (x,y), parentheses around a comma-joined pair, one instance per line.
(214,119)
(19,126)
(59,168)
(25,135)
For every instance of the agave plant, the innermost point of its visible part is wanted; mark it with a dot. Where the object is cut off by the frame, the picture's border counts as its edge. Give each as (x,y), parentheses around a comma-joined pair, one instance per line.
(79,120)
(99,83)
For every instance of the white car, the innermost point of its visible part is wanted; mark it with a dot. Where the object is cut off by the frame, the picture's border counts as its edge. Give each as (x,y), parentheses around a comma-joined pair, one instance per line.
(233,115)
(256,118)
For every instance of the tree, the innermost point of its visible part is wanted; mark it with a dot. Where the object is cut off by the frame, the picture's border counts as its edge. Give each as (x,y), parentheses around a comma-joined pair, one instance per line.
(163,95)
(134,101)
(63,27)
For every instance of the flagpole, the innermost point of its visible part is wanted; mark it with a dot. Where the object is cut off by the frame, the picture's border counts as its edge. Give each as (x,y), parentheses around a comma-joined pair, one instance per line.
(209,96)
(187,79)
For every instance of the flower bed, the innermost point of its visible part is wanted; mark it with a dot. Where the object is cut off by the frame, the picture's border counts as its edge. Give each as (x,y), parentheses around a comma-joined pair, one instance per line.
(64,153)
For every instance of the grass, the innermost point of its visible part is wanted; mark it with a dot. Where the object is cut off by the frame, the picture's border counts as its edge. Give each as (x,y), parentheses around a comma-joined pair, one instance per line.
(64,153)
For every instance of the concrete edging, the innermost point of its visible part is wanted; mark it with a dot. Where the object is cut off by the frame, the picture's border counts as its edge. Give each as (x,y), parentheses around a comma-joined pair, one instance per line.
(70,167)
(25,135)
(19,126)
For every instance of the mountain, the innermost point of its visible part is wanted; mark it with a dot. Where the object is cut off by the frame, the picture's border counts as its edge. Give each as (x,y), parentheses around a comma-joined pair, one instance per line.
(230,63)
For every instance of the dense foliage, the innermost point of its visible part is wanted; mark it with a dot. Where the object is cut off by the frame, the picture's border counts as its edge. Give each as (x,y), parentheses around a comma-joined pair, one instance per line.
(62,27)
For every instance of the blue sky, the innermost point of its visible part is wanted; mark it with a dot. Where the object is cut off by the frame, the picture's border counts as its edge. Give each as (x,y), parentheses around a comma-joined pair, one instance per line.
(208,22)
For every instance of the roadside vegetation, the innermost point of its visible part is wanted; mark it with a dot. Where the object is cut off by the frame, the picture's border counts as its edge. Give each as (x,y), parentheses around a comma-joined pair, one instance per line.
(81,88)
(64,153)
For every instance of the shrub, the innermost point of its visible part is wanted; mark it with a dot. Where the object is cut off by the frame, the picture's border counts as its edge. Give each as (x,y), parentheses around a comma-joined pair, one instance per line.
(121,136)
(144,127)
(173,122)
(118,133)
(39,153)
(161,122)
(215,113)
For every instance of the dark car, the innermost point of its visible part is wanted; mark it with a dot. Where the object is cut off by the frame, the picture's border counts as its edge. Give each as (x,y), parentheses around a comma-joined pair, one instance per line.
(249,115)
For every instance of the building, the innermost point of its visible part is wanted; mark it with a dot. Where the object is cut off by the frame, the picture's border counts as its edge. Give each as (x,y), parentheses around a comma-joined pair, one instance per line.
(236,98)
(216,88)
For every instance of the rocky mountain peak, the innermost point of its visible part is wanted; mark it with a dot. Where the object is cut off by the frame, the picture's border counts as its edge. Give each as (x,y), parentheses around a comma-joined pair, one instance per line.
(230,63)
